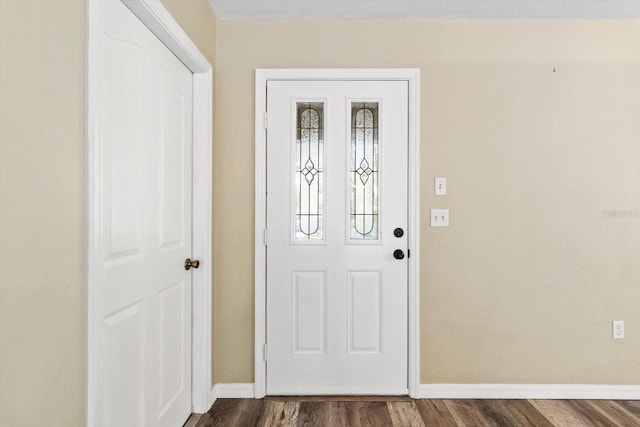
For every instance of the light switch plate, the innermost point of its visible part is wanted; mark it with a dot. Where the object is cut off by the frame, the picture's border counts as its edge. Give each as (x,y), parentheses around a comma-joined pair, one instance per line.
(439,217)
(441,186)
(618,329)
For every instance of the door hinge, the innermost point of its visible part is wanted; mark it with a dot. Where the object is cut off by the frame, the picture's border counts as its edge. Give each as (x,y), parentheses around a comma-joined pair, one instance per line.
(264,353)
(265,237)
(265,120)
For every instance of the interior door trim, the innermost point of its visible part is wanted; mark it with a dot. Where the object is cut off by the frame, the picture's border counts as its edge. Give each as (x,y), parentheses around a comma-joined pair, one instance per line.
(262,76)
(154,15)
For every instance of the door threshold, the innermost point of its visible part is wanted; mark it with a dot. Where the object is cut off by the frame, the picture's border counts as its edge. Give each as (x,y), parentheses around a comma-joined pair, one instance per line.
(193,420)
(338,398)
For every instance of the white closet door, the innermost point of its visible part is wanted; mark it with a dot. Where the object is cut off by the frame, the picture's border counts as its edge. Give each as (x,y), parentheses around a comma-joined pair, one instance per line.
(145,147)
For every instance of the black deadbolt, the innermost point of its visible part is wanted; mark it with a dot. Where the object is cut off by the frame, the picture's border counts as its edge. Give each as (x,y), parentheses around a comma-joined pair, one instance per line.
(398,254)
(398,232)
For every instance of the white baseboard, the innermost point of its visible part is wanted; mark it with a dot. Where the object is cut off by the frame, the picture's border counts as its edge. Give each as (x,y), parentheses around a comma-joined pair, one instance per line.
(232,390)
(481,391)
(529,391)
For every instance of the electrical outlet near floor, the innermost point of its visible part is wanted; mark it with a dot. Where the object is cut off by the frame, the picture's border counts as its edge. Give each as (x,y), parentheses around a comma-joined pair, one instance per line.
(618,329)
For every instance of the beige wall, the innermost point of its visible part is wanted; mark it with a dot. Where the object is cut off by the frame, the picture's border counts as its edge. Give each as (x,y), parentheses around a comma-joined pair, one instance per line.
(197,20)
(42,331)
(523,286)
(41,228)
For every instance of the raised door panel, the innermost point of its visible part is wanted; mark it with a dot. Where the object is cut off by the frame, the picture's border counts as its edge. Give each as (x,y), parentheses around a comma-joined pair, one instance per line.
(123,139)
(172,162)
(309,314)
(124,356)
(173,354)
(365,311)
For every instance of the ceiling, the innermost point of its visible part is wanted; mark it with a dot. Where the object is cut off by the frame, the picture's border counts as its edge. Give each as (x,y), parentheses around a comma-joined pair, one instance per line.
(426,9)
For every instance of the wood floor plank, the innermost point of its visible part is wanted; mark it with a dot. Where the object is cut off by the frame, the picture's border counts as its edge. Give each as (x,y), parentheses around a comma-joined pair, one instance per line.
(495,414)
(523,410)
(434,413)
(356,412)
(618,414)
(290,413)
(204,420)
(313,414)
(404,414)
(271,414)
(374,414)
(222,413)
(558,413)
(321,412)
(632,406)
(510,412)
(337,415)
(589,414)
(249,412)
(466,413)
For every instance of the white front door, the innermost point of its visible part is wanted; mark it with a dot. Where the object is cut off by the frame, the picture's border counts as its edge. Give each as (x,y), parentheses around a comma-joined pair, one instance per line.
(337,218)
(144,158)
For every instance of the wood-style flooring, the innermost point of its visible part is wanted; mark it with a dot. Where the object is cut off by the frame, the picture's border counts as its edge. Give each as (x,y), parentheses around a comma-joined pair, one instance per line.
(406,412)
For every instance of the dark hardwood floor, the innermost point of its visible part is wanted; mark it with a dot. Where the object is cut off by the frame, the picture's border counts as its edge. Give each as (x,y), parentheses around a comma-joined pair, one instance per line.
(406,412)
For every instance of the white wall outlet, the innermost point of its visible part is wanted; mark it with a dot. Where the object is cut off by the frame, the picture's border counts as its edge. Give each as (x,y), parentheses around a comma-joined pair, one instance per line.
(618,329)
(441,186)
(439,217)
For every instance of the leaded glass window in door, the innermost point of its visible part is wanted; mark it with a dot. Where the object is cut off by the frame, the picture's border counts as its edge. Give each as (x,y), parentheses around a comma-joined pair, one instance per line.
(364,171)
(309,173)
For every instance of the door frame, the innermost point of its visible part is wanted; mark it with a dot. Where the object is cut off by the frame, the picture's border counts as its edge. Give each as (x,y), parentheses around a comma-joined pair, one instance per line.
(262,76)
(156,17)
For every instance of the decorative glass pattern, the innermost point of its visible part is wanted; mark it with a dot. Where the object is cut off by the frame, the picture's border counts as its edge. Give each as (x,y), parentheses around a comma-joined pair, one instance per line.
(309,171)
(364,171)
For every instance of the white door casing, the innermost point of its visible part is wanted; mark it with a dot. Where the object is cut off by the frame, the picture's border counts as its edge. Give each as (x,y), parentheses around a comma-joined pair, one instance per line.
(143,117)
(338,346)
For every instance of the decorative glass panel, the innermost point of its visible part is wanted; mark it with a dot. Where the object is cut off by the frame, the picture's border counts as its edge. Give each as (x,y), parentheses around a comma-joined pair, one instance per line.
(309,171)
(364,171)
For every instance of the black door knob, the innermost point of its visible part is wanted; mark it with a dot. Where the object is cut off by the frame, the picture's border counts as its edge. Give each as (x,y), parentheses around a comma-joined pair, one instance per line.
(398,232)
(398,254)
(188,264)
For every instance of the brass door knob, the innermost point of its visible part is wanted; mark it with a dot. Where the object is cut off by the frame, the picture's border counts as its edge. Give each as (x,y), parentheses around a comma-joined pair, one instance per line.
(188,264)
